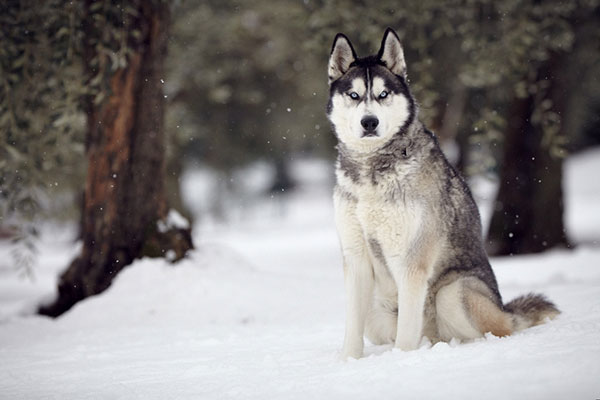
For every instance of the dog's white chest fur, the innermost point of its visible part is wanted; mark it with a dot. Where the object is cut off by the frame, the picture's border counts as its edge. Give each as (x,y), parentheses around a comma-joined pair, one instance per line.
(385,212)
(386,220)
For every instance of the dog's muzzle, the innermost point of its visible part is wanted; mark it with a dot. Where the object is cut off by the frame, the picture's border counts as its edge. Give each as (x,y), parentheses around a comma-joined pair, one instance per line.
(369,124)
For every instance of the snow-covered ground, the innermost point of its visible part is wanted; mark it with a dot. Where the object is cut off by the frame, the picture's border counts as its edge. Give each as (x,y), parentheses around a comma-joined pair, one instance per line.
(256,312)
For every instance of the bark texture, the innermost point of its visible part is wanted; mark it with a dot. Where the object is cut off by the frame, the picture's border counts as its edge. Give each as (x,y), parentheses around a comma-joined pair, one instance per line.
(124,197)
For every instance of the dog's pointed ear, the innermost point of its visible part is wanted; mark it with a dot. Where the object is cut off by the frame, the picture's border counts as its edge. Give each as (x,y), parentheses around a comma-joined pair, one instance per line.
(342,55)
(391,53)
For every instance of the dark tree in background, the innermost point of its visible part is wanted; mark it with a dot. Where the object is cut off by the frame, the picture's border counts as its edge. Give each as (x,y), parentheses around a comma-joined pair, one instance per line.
(124,200)
(528,212)
(529,207)
(242,87)
(41,123)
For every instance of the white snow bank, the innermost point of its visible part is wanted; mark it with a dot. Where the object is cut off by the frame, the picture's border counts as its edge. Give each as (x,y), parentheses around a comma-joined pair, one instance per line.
(216,327)
(173,220)
(582,197)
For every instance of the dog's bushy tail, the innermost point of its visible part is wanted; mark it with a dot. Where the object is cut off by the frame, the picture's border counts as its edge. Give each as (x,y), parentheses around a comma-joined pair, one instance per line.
(530,310)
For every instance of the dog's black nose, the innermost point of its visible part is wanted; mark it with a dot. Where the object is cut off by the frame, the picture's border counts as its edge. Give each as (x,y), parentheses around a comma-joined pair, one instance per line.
(370,123)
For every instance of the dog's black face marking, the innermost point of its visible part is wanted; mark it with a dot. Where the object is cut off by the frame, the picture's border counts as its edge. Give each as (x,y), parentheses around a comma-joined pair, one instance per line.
(370,68)
(343,85)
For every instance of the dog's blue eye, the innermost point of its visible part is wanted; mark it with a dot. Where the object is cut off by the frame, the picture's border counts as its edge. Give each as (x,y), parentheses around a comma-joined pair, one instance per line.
(354,95)
(383,95)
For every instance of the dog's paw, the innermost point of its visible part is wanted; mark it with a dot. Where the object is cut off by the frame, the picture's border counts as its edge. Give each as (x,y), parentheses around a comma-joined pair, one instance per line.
(406,344)
(349,354)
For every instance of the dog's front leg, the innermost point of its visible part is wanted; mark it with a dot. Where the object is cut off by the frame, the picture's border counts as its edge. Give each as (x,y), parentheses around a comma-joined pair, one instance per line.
(358,280)
(412,292)
(358,274)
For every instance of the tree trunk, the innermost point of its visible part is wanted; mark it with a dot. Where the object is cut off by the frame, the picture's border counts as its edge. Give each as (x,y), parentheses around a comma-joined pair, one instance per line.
(451,130)
(528,212)
(282,180)
(124,198)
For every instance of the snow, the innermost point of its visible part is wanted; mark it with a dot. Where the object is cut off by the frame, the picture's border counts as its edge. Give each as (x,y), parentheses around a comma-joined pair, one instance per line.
(173,220)
(256,312)
(582,192)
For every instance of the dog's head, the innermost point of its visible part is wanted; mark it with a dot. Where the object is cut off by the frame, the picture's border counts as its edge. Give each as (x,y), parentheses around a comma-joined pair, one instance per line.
(370,101)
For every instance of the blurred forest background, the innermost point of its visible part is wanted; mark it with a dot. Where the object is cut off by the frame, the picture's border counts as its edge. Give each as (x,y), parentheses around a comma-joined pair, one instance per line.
(104,104)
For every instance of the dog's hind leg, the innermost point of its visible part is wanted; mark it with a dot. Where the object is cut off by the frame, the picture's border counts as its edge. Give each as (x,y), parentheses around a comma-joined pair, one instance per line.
(382,321)
(466,310)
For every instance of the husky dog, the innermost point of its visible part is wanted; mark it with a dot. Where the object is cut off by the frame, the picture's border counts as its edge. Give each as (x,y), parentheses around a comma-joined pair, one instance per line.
(414,260)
